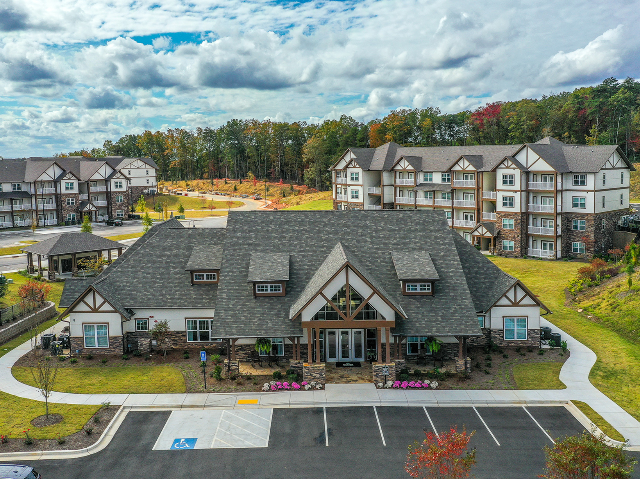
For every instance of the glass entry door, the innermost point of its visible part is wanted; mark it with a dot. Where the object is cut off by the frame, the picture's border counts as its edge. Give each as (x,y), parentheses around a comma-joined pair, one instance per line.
(345,345)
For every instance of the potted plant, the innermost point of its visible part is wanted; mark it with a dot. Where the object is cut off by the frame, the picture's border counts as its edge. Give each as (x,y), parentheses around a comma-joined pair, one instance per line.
(263,346)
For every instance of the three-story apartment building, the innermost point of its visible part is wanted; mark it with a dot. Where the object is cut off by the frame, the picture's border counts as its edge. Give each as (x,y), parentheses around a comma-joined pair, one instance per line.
(53,191)
(545,199)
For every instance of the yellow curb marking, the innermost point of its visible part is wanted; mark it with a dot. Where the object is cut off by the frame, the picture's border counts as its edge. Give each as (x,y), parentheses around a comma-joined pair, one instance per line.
(247,401)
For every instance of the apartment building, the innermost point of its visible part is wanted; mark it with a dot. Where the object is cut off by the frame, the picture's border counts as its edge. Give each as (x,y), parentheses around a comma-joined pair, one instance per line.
(53,191)
(546,199)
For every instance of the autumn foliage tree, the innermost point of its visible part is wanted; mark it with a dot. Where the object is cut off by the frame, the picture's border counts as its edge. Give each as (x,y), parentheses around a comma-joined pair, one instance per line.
(33,292)
(442,456)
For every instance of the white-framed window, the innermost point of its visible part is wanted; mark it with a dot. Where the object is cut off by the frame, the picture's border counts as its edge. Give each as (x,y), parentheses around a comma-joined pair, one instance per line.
(621,198)
(446,195)
(579,225)
(16,186)
(428,178)
(448,214)
(69,186)
(604,178)
(621,178)
(508,180)
(508,245)
(579,180)
(147,172)
(71,201)
(119,199)
(468,176)
(129,172)
(355,176)
(117,184)
(96,335)
(547,245)
(481,320)
(579,202)
(467,236)
(71,216)
(93,184)
(445,178)
(0,187)
(147,180)
(142,324)
(515,328)
(355,194)
(428,195)
(198,330)
(508,201)
(119,213)
(507,223)
(415,344)
(277,347)
(268,288)
(577,247)
(94,198)
(604,201)
(418,287)
(205,277)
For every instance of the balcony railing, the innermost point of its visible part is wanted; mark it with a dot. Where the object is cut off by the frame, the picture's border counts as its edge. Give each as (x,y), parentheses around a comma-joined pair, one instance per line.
(538,230)
(424,201)
(464,183)
(540,185)
(405,181)
(83,197)
(539,253)
(341,181)
(6,224)
(489,195)
(99,202)
(50,222)
(102,218)
(464,223)
(5,208)
(488,216)
(46,191)
(449,222)
(46,206)
(374,207)
(405,200)
(541,208)
(22,223)
(464,203)
(442,202)
(21,207)
(374,190)
(341,198)
(98,188)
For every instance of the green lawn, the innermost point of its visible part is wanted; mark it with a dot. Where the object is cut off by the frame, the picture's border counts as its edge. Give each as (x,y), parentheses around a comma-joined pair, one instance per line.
(617,370)
(18,280)
(125,236)
(100,379)
(6,347)
(538,376)
(313,205)
(191,203)
(598,420)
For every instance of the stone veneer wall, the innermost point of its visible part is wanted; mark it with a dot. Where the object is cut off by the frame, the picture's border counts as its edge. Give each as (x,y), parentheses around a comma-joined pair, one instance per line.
(115,346)
(518,234)
(18,327)
(378,372)
(314,372)
(141,340)
(69,209)
(124,205)
(570,235)
(603,238)
(533,338)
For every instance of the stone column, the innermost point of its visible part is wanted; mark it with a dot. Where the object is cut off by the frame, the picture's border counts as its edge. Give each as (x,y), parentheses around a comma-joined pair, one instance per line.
(52,271)
(39,265)
(388,349)
(109,256)
(379,370)
(314,373)
(379,344)
(74,265)
(30,263)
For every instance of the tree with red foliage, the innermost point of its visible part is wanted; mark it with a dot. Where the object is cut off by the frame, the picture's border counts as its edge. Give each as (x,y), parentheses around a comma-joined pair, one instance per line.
(34,292)
(442,456)
(377,135)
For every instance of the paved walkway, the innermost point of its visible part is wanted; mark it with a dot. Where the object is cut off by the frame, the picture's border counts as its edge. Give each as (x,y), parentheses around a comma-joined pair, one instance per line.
(574,373)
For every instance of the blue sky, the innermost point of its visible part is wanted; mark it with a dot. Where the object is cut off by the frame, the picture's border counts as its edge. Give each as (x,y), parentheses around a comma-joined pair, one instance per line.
(74,73)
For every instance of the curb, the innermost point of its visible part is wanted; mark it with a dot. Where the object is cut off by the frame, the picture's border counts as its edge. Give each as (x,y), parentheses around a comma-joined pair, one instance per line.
(595,430)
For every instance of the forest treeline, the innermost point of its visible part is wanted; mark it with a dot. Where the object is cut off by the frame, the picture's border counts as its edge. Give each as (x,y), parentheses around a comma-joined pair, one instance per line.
(608,113)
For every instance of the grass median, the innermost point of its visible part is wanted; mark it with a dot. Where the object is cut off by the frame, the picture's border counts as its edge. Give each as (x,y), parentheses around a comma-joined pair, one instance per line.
(538,376)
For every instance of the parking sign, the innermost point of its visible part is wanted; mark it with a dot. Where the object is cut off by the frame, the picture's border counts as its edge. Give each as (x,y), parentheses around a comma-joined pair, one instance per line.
(203,355)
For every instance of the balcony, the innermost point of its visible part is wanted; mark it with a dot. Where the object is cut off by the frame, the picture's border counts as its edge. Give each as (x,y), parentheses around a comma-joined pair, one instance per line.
(22,223)
(442,202)
(541,185)
(6,224)
(5,208)
(341,198)
(539,253)
(46,206)
(541,208)
(83,197)
(464,183)
(374,190)
(341,181)
(464,203)
(449,222)
(538,230)
(464,223)
(50,222)
(405,200)
(424,201)
(46,191)
(98,188)
(489,195)
(374,207)
(21,207)
(405,182)
(99,202)
(488,216)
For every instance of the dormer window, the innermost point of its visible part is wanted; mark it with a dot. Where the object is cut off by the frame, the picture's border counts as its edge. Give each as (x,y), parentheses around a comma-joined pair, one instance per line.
(269,289)
(269,273)
(416,272)
(209,277)
(417,287)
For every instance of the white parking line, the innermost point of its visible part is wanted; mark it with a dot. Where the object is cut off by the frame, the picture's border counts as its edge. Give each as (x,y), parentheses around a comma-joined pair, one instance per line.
(432,425)
(326,433)
(485,425)
(538,424)
(379,427)
(246,420)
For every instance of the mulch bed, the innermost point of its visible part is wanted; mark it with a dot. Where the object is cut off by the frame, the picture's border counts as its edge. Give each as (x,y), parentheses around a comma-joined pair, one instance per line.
(44,420)
(79,440)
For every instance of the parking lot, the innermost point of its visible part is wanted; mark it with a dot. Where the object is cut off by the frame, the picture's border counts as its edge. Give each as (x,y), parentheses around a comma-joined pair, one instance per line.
(357,442)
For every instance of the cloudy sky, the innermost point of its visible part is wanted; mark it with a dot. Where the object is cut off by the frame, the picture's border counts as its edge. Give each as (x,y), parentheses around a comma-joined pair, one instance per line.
(74,73)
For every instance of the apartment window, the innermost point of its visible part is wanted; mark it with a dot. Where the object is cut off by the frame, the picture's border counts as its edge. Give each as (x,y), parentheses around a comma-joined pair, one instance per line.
(355,194)
(507,201)
(481,321)
(119,213)
(428,195)
(621,198)
(142,324)
(468,176)
(273,288)
(204,277)
(96,335)
(577,247)
(604,224)
(579,202)
(129,172)
(71,216)
(547,245)
(579,180)
(147,172)
(621,178)
(147,180)
(93,184)
(467,236)
(428,177)
(119,199)
(445,178)
(515,328)
(355,176)
(448,214)
(68,186)
(16,186)
(70,201)
(508,180)
(418,287)
(604,201)
(0,187)
(508,245)
(277,347)
(579,225)
(198,330)
(446,196)
(117,184)
(604,179)
(415,344)
(507,223)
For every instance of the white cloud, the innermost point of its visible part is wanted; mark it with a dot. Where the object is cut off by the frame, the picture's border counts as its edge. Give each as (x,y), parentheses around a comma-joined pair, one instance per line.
(161,43)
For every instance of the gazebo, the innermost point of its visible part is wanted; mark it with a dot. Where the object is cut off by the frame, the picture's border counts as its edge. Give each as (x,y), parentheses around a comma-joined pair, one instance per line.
(63,251)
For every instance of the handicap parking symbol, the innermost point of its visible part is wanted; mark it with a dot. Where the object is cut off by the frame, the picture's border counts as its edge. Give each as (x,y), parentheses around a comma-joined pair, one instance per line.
(184,443)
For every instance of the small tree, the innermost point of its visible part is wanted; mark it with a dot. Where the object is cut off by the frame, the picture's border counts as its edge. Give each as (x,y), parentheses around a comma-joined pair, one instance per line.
(94,265)
(33,293)
(180,209)
(443,456)
(160,332)
(147,222)
(4,286)
(44,375)
(86,225)
(142,204)
(229,204)
(587,456)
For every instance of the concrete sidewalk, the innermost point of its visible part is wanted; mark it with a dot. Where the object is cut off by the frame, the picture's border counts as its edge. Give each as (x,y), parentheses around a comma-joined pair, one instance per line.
(574,373)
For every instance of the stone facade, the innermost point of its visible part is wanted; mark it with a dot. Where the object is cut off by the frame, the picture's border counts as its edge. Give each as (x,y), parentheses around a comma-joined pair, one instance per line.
(569,235)
(140,340)
(119,205)
(518,234)
(116,346)
(231,368)
(25,324)
(603,237)
(379,370)
(314,372)
(533,338)
(66,209)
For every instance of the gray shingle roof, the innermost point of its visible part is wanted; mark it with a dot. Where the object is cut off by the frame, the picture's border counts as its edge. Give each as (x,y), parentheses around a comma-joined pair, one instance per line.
(74,287)
(268,267)
(414,265)
(204,257)
(12,170)
(15,194)
(67,243)
(433,187)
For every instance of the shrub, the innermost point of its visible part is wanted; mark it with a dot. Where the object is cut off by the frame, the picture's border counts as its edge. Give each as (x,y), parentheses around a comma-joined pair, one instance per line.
(186,355)
(62,358)
(216,358)
(4,439)
(89,356)
(277,375)
(125,357)
(417,373)
(505,355)
(104,361)
(60,439)
(88,430)
(217,373)
(96,419)
(28,440)
(147,357)
(73,360)
(540,352)
(137,353)
(290,372)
